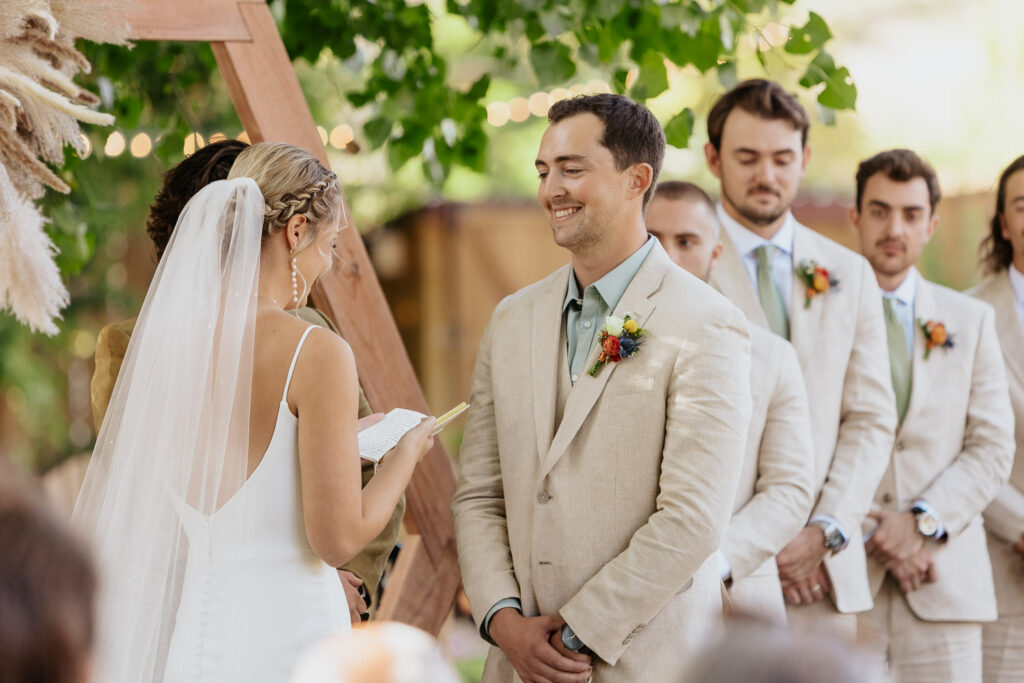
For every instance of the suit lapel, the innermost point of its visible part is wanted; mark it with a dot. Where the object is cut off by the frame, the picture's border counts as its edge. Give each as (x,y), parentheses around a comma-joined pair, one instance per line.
(636,302)
(805,321)
(545,354)
(730,278)
(920,377)
(1008,326)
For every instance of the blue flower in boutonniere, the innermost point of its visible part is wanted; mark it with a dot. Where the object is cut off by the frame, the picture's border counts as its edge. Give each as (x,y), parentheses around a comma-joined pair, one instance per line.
(817,280)
(620,338)
(935,334)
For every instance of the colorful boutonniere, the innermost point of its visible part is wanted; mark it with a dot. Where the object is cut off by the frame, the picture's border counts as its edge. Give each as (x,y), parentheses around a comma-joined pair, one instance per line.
(620,338)
(817,280)
(935,334)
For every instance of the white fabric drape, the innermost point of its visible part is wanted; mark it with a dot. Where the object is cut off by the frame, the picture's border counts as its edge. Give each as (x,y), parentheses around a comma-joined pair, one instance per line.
(177,428)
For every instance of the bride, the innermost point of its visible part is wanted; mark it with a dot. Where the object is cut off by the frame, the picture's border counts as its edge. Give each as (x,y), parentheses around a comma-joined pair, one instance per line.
(225,482)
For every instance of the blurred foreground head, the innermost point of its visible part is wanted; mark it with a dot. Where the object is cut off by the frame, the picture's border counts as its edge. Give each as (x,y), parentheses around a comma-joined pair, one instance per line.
(379,652)
(766,653)
(47,589)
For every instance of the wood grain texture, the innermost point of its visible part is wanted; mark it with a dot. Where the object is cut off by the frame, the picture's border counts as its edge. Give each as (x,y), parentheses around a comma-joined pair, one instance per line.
(187,20)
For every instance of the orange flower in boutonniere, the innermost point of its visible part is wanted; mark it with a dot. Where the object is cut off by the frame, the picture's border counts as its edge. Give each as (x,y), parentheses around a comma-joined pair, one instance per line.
(935,334)
(816,279)
(620,338)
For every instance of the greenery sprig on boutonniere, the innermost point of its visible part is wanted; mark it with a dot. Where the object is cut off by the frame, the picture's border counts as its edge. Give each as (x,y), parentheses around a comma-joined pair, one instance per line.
(935,335)
(817,280)
(620,338)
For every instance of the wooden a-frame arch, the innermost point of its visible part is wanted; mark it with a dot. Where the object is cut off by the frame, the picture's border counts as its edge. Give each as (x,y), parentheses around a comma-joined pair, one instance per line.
(271,106)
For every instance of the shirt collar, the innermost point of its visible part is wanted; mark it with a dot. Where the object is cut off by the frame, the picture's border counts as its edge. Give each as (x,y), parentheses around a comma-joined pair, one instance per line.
(611,286)
(1017,282)
(906,291)
(746,240)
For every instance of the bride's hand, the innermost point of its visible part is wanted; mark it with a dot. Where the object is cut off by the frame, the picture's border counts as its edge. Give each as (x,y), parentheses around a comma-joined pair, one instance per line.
(369,420)
(418,440)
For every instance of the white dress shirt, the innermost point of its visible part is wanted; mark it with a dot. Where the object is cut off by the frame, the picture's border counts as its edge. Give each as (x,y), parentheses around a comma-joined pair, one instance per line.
(747,242)
(1017,282)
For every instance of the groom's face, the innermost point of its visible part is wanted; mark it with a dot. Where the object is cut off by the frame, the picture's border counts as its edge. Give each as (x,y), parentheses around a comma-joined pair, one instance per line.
(581,190)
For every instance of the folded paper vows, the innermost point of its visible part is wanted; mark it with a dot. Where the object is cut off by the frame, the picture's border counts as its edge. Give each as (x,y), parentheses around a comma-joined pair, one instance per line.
(379,438)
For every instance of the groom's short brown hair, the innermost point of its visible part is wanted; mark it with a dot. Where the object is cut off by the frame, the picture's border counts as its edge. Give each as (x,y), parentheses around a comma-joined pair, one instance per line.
(631,133)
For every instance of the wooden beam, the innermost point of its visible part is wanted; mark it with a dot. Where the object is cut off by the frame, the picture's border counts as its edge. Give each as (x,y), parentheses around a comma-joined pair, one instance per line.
(425,598)
(271,106)
(203,21)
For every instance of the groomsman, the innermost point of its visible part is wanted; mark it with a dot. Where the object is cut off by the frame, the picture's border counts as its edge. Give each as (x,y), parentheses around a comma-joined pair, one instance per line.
(928,562)
(824,299)
(1003,256)
(774,496)
(597,472)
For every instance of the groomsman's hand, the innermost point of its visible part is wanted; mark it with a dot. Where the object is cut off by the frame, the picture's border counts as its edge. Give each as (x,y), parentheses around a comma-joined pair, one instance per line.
(802,555)
(356,605)
(527,642)
(895,539)
(814,588)
(914,571)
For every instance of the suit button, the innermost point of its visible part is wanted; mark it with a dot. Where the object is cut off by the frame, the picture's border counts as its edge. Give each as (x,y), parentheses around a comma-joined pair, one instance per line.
(543,497)
(899,446)
(886,498)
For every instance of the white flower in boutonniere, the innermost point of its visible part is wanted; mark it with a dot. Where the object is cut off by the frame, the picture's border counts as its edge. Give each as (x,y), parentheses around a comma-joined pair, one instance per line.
(817,280)
(620,338)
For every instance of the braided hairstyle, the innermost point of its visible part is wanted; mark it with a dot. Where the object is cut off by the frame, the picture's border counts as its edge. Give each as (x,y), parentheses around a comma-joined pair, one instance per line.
(208,164)
(293,183)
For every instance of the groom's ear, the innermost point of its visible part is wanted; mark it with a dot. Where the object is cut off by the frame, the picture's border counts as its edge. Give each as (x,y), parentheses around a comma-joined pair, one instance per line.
(640,178)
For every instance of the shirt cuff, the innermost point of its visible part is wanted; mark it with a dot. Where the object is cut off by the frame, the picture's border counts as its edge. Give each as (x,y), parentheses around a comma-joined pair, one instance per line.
(929,510)
(501,604)
(724,568)
(830,520)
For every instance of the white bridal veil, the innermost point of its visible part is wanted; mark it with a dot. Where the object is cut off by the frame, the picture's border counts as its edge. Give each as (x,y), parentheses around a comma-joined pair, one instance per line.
(177,428)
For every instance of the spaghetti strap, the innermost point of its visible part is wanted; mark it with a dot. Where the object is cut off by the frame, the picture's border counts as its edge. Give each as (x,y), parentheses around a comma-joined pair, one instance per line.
(295,357)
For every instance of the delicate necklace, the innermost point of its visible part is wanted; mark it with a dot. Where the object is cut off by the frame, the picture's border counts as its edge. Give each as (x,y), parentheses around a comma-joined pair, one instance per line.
(264,296)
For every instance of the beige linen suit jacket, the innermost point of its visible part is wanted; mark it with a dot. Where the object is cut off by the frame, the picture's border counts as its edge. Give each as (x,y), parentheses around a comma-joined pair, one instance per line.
(954,450)
(608,517)
(841,344)
(1004,517)
(774,496)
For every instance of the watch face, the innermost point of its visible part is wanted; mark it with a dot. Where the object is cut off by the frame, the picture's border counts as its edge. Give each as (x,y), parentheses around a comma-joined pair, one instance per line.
(927,524)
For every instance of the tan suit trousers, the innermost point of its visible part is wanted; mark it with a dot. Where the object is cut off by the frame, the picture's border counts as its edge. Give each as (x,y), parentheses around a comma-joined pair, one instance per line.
(917,650)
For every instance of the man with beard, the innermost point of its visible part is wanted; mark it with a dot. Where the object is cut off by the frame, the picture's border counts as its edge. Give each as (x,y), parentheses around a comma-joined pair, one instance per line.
(774,495)
(928,562)
(824,299)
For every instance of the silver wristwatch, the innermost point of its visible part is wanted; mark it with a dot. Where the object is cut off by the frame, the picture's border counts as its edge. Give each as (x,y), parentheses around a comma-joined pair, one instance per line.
(570,640)
(834,540)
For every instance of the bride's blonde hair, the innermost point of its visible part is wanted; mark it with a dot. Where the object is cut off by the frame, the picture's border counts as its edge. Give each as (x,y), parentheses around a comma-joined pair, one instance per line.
(292,182)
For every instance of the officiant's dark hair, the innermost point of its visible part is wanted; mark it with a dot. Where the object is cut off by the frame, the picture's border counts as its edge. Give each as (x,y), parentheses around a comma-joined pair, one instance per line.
(996,250)
(47,589)
(762,98)
(631,132)
(183,181)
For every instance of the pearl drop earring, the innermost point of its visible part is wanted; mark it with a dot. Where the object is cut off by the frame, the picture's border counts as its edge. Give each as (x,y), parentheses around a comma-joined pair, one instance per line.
(295,283)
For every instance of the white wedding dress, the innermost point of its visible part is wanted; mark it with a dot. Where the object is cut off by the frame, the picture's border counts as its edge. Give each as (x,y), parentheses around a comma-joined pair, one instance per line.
(254,595)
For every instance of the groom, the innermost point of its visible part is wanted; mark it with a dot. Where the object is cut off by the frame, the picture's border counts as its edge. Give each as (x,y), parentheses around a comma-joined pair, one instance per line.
(591,495)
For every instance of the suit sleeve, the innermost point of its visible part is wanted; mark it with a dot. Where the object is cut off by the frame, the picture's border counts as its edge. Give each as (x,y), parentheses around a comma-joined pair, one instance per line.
(110,349)
(1004,516)
(785,480)
(867,422)
(707,411)
(481,532)
(975,476)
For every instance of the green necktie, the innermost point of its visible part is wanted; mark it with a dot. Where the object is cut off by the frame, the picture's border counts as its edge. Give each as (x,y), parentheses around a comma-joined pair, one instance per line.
(768,293)
(899,358)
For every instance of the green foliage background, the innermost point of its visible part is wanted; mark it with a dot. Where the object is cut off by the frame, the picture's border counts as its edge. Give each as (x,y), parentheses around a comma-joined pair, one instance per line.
(417,77)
